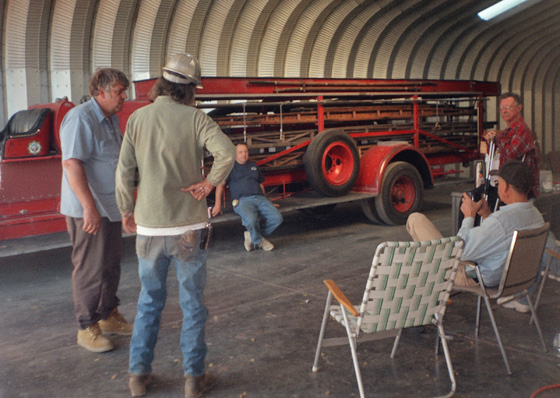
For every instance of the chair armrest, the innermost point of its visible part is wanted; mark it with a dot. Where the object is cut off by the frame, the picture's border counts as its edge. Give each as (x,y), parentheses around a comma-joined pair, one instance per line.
(340,297)
(553,253)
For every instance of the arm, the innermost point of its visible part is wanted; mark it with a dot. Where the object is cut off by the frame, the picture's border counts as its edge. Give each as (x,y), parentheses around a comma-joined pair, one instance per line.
(124,181)
(78,183)
(515,142)
(218,204)
(220,146)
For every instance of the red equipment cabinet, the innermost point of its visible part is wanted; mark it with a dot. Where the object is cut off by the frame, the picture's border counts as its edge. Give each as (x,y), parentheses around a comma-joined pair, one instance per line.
(378,141)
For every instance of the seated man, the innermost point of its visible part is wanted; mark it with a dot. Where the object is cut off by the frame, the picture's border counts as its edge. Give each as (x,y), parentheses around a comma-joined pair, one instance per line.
(488,244)
(249,201)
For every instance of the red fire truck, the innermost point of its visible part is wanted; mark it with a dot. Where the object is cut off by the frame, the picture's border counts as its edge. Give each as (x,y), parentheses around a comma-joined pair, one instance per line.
(318,141)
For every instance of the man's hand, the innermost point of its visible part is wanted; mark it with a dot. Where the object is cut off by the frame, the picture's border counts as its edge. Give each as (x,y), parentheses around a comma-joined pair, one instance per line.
(484,210)
(92,220)
(217,209)
(469,207)
(200,190)
(491,135)
(128,223)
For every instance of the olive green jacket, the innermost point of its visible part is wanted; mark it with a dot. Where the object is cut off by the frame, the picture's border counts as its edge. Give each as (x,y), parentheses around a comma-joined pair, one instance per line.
(165,141)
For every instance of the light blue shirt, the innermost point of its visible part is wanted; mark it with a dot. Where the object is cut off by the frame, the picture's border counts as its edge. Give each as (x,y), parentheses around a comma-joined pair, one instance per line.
(488,244)
(88,135)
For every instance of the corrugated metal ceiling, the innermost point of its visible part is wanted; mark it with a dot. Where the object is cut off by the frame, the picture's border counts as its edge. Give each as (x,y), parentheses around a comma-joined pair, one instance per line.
(51,47)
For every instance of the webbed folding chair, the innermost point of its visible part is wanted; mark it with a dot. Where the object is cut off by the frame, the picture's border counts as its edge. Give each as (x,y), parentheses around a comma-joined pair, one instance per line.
(408,285)
(520,273)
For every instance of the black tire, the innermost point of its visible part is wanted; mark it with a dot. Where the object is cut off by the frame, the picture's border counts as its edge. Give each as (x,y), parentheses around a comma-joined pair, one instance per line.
(402,193)
(332,163)
(370,211)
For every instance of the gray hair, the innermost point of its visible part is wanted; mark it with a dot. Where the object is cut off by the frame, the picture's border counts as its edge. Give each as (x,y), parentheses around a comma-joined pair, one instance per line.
(105,79)
(509,94)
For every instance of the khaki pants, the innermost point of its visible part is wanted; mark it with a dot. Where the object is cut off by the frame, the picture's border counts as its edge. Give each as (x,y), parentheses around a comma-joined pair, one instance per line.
(420,229)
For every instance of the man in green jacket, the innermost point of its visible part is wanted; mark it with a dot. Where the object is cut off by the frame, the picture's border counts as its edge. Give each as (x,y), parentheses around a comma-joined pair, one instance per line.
(165,143)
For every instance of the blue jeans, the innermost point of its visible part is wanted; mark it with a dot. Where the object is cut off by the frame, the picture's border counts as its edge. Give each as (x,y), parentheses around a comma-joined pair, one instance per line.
(155,255)
(250,208)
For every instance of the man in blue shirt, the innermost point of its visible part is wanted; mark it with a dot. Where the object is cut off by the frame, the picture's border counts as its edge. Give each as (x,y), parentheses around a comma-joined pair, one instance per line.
(91,139)
(257,213)
(488,244)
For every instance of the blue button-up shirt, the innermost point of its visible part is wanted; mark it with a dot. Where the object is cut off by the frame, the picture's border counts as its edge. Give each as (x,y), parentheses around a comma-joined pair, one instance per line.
(88,135)
(488,244)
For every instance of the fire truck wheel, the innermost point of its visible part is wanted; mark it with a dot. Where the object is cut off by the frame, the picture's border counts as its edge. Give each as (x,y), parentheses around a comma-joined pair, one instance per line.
(402,193)
(332,163)
(368,207)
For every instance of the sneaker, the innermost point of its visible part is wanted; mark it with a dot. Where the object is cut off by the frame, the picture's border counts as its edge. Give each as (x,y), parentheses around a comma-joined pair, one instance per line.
(116,324)
(92,339)
(266,245)
(514,305)
(248,243)
(138,383)
(196,386)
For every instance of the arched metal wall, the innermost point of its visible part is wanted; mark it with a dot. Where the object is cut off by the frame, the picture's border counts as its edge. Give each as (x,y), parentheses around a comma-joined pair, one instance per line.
(50,47)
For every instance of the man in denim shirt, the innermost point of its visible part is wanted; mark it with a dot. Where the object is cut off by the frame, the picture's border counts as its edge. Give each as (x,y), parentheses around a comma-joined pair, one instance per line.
(91,139)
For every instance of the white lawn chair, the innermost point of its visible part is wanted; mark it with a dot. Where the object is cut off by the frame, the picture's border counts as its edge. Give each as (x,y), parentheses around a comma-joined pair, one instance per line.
(408,285)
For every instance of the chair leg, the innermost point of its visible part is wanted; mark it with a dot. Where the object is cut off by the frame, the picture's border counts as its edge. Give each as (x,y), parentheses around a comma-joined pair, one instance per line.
(353,350)
(322,332)
(497,333)
(443,339)
(477,321)
(395,344)
(534,316)
(541,287)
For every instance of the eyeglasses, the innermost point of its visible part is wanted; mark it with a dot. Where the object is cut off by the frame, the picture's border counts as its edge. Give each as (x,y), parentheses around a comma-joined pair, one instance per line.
(507,107)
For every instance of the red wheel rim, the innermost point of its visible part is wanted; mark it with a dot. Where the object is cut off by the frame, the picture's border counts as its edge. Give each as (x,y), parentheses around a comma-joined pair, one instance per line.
(403,193)
(338,163)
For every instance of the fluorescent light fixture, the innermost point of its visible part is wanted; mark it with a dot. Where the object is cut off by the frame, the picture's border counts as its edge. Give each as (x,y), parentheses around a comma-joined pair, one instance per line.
(499,8)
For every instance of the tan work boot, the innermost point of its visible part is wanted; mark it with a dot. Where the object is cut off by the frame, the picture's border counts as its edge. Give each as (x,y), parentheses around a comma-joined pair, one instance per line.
(266,245)
(195,386)
(116,324)
(138,383)
(92,339)
(248,242)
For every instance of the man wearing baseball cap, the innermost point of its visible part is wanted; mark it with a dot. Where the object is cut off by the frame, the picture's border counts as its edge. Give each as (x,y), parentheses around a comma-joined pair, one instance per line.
(488,244)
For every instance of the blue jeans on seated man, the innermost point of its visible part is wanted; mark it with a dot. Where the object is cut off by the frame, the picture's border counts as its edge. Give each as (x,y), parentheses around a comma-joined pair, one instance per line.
(250,208)
(155,255)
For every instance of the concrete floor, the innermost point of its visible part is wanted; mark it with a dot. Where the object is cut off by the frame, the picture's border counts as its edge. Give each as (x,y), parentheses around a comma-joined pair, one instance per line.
(265,313)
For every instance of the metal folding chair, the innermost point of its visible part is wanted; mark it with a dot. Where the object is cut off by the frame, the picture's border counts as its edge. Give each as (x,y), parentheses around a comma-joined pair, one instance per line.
(553,255)
(520,273)
(408,285)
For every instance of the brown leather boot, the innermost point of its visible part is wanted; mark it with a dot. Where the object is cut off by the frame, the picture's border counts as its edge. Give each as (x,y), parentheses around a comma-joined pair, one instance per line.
(195,386)
(138,383)
(92,339)
(116,324)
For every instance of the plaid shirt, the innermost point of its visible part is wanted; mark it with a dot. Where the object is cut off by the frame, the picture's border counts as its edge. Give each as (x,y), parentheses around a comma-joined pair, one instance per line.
(517,141)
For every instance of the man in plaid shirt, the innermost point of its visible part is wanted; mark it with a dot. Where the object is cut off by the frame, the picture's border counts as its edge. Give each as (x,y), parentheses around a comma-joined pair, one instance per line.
(516,141)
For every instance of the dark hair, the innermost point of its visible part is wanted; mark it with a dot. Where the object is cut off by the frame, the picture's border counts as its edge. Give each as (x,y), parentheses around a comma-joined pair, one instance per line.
(105,79)
(518,175)
(516,97)
(181,93)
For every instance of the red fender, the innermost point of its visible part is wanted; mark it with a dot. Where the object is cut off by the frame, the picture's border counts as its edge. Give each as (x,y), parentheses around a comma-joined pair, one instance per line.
(374,162)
